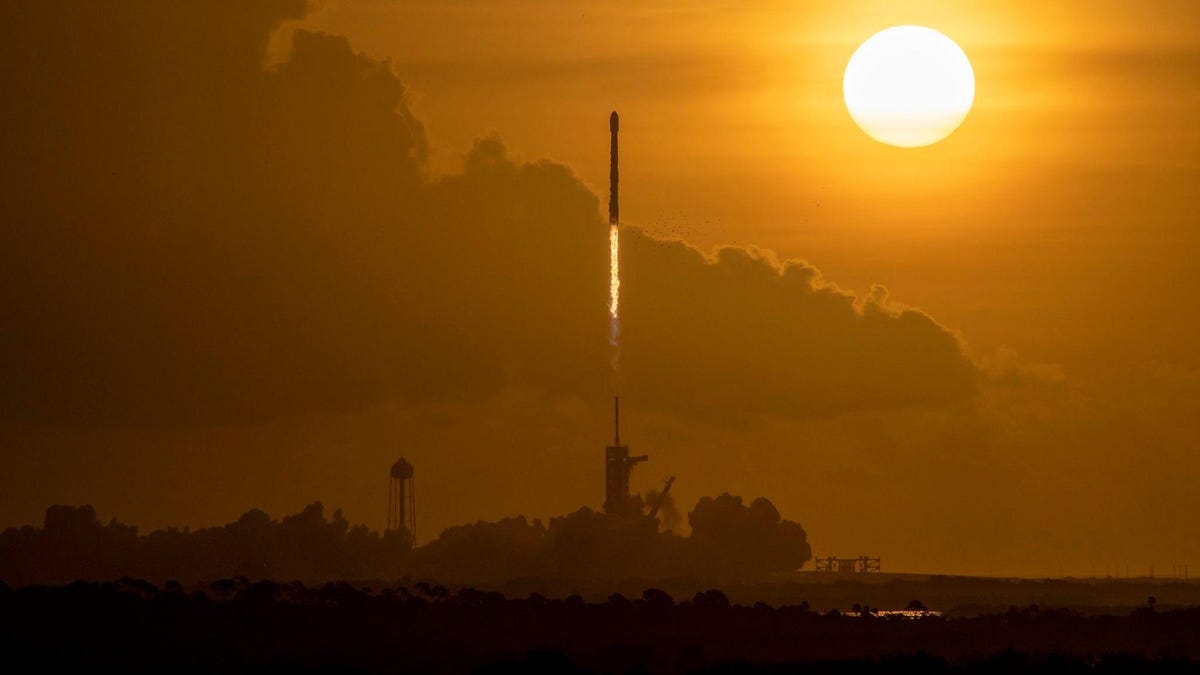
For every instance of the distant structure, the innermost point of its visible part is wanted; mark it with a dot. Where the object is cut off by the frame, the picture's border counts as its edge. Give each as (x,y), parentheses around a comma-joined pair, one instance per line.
(402,498)
(617,465)
(848,566)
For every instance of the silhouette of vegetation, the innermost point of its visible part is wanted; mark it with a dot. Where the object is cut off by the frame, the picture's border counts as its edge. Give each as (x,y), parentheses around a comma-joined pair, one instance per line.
(729,541)
(73,544)
(238,625)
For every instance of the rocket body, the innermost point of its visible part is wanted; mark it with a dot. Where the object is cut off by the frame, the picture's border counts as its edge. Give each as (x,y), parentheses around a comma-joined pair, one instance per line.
(614,242)
(614,215)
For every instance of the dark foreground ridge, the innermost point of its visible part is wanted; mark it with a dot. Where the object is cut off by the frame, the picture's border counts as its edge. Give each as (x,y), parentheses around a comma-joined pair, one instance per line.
(239,626)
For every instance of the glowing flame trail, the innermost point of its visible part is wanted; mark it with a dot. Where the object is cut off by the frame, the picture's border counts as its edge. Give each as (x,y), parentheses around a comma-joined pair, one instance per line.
(614,291)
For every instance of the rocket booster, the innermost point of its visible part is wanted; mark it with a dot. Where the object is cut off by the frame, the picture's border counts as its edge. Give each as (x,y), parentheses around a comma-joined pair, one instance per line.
(614,124)
(614,243)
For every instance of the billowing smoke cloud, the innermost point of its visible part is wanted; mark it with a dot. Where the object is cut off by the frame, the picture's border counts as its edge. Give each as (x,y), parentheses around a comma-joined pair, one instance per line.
(192,237)
(729,541)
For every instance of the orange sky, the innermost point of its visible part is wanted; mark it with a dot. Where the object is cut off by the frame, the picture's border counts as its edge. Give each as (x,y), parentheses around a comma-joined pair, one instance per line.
(1059,221)
(1053,234)
(1080,149)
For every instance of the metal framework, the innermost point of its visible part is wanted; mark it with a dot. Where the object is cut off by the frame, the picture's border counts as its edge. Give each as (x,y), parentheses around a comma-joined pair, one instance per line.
(848,565)
(662,497)
(617,465)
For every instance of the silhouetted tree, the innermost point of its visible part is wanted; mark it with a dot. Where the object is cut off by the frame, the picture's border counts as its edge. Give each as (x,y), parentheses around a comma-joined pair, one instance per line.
(729,541)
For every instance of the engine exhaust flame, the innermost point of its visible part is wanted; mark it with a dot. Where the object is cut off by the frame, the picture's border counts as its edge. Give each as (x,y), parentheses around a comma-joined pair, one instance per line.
(614,293)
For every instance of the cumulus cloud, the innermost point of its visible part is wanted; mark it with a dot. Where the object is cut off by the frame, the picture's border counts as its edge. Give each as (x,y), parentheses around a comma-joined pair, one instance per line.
(194,236)
(774,337)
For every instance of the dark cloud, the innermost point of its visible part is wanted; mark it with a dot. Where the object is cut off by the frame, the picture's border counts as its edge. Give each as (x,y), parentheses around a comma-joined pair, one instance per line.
(194,237)
(741,332)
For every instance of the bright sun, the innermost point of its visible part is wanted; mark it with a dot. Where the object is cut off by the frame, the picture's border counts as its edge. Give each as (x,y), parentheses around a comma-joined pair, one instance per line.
(909,86)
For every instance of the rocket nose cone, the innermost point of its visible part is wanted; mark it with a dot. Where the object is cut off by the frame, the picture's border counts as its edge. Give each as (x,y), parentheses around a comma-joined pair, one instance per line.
(614,122)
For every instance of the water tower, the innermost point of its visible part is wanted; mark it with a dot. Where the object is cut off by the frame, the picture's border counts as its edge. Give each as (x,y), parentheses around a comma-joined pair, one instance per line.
(402,504)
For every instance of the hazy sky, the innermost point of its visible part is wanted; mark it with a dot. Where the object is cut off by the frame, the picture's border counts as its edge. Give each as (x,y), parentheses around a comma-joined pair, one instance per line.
(251,254)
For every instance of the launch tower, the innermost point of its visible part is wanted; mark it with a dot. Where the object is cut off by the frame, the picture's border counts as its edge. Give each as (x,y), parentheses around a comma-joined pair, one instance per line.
(617,465)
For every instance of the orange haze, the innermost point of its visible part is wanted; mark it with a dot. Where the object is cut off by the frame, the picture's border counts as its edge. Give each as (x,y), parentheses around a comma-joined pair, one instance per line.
(253,252)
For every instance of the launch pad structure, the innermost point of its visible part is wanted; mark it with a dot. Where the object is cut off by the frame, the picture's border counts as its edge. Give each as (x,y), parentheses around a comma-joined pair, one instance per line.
(848,566)
(617,465)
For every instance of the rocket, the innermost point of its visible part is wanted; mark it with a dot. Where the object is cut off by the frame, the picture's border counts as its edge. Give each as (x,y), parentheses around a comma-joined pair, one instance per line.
(614,243)
(614,124)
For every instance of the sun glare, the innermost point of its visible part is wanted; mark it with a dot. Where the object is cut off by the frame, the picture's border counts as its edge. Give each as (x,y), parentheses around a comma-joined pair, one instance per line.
(909,86)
